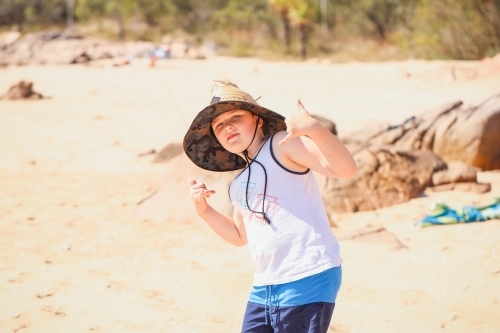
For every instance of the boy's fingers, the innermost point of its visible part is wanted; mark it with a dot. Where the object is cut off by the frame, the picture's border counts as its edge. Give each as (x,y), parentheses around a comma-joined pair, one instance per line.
(199,185)
(195,185)
(301,107)
(207,193)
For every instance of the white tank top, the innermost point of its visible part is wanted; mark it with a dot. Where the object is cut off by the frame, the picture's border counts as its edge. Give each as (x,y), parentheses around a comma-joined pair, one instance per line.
(298,242)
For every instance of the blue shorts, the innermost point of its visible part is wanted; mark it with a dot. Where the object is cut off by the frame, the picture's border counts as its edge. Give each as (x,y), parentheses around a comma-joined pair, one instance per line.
(304,306)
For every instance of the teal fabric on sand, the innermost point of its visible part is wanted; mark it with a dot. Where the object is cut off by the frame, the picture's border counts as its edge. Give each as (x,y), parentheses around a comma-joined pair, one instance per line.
(442,214)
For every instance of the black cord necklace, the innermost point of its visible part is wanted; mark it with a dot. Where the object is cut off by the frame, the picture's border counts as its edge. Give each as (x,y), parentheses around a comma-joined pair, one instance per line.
(248,159)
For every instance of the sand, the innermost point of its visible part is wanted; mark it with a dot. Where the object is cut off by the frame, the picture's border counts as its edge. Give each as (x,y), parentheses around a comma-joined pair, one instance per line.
(74,258)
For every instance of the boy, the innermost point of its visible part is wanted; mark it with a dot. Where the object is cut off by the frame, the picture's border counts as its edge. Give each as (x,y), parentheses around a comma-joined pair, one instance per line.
(278,208)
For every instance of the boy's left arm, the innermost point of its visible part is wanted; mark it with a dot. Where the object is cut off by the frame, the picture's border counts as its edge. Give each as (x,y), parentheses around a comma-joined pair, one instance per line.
(311,145)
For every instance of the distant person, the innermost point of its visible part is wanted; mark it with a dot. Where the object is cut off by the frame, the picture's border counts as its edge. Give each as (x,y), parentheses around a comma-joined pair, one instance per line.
(187,48)
(164,51)
(278,210)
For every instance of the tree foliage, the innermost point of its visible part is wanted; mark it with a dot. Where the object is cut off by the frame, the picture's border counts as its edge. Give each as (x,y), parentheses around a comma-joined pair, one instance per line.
(459,29)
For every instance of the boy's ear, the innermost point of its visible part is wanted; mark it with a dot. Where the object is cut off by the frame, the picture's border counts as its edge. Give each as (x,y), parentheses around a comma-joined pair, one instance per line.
(260,121)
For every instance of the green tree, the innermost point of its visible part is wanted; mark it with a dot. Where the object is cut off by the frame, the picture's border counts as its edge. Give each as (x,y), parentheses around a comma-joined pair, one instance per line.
(153,10)
(23,12)
(304,13)
(383,15)
(489,10)
(283,7)
(116,9)
(455,29)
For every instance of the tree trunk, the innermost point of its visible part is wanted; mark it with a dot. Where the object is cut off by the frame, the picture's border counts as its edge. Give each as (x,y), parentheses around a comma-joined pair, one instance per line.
(286,28)
(378,25)
(69,13)
(121,27)
(324,23)
(303,40)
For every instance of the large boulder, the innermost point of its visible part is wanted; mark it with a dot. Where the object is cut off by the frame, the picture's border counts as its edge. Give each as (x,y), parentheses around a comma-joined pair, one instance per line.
(454,132)
(386,176)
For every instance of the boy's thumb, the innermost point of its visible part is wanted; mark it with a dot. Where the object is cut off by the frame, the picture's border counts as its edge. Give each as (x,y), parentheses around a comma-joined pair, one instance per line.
(191,181)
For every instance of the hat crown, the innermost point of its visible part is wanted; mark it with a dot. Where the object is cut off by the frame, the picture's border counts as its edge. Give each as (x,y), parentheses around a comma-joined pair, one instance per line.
(228,91)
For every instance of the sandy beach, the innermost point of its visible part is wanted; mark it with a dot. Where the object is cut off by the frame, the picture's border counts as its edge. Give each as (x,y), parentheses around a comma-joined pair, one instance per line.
(75,258)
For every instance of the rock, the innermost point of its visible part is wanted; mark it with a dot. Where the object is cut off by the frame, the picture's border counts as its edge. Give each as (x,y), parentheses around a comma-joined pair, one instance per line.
(453,131)
(365,134)
(66,47)
(328,124)
(386,176)
(464,187)
(473,187)
(21,90)
(8,37)
(440,188)
(471,135)
(456,172)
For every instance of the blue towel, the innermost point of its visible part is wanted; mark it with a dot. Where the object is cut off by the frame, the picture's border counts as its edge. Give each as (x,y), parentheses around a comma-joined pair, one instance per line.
(442,214)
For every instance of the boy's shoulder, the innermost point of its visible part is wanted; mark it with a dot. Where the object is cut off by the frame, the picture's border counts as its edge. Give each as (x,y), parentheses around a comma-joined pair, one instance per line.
(282,152)
(275,142)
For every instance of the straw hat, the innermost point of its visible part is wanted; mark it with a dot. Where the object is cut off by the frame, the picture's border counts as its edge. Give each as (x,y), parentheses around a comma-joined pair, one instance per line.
(200,144)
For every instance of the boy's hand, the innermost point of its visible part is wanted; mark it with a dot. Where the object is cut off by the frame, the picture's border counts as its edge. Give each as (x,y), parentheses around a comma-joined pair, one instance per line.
(199,193)
(298,124)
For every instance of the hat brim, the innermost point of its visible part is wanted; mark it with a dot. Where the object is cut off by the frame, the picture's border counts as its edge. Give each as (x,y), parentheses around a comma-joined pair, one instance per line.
(201,146)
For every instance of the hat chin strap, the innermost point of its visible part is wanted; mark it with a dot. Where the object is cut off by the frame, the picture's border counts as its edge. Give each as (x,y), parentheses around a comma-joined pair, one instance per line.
(248,159)
(245,152)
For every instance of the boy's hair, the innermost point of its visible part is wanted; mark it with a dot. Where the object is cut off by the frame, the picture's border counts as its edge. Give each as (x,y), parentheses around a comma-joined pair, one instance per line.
(201,145)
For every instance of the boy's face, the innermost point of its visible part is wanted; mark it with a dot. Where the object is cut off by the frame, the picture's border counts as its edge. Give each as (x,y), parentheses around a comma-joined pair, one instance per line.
(235,129)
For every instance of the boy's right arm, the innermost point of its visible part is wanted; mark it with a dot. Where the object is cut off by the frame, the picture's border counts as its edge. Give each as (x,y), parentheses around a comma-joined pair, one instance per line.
(230,229)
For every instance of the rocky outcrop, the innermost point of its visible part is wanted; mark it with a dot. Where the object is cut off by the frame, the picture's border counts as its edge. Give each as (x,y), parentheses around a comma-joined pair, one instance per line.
(386,176)
(8,37)
(456,172)
(454,132)
(62,47)
(395,163)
